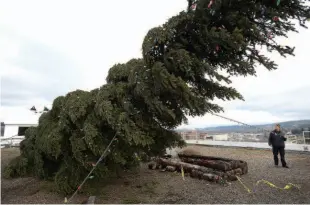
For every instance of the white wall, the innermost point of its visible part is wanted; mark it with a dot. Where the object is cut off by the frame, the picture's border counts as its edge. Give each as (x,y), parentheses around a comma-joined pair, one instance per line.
(10,130)
(220,137)
(264,145)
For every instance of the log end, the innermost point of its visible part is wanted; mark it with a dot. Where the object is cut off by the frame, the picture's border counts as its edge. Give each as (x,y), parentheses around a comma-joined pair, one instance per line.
(170,168)
(152,165)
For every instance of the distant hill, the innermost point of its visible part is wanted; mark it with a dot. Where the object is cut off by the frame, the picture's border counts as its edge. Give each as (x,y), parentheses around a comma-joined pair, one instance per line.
(288,125)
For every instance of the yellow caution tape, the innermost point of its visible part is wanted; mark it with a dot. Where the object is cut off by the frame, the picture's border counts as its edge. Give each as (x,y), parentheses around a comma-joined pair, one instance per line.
(288,186)
(245,187)
(66,201)
(182,171)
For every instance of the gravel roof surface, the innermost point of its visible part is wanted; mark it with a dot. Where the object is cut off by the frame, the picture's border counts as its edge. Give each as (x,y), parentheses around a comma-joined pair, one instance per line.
(153,186)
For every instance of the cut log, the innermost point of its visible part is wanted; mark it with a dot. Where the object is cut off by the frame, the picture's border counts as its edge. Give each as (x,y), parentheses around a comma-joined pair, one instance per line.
(218,163)
(205,157)
(245,169)
(205,176)
(170,168)
(167,156)
(159,166)
(152,165)
(195,171)
(207,168)
(212,158)
(214,164)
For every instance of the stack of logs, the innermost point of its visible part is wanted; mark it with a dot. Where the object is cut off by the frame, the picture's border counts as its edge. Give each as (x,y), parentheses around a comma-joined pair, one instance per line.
(208,168)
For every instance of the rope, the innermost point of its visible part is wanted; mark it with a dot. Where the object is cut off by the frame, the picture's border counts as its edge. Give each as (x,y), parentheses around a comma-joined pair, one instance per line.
(242,123)
(91,171)
(288,186)
(244,186)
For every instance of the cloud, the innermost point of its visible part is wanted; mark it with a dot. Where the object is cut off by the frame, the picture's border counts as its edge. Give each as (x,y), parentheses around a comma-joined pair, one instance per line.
(50,48)
(296,100)
(34,73)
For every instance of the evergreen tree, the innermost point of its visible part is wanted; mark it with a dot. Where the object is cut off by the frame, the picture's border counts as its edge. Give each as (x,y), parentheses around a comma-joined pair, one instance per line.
(145,99)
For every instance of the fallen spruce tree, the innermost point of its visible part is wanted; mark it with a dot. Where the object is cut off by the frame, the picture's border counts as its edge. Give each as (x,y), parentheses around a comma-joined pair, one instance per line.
(187,63)
(208,168)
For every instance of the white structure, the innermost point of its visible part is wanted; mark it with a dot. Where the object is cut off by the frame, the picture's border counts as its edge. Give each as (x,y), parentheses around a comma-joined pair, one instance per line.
(14,134)
(16,129)
(306,136)
(16,122)
(220,137)
(261,145)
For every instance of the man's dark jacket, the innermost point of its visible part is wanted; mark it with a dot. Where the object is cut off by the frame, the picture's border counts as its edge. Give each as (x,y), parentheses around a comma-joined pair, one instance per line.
(276,139)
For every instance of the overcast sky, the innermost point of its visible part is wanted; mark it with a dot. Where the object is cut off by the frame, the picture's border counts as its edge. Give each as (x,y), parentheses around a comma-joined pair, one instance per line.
(48,48)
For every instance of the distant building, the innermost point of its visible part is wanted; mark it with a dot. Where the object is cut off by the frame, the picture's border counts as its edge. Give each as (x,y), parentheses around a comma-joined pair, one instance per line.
(16,124)
(193,135)
(15,129)
(220,137)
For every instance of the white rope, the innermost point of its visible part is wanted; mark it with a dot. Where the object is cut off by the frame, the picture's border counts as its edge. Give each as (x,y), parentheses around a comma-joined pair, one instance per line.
(91,171)
(232,120)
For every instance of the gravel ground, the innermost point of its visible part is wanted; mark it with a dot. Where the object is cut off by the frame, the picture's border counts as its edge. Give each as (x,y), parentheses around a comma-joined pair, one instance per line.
(28,190)
(153,186)
(7,154)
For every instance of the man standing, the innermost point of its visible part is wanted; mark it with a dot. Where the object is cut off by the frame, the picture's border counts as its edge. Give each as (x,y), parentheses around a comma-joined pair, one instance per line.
(276,140)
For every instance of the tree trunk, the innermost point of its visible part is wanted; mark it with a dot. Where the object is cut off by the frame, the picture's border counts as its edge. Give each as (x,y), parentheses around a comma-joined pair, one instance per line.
(197,168)
(205,157)
(195,171)
(217,163)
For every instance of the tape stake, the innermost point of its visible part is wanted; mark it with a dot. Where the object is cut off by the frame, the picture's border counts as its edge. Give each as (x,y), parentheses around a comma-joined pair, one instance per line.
(182,172)
(278,2)
(66,200)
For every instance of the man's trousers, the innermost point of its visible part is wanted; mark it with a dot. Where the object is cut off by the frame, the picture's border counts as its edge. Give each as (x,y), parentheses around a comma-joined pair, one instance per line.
(276,151)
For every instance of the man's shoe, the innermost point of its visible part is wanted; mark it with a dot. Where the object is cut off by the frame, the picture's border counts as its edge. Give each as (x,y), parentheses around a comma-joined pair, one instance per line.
(285,166)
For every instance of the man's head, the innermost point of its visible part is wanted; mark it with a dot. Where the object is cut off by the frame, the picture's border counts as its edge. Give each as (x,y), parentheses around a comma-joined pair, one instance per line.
(278,127)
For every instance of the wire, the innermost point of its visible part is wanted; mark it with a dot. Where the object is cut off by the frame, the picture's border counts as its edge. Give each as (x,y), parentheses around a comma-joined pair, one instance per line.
(232,120)
(91,171)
